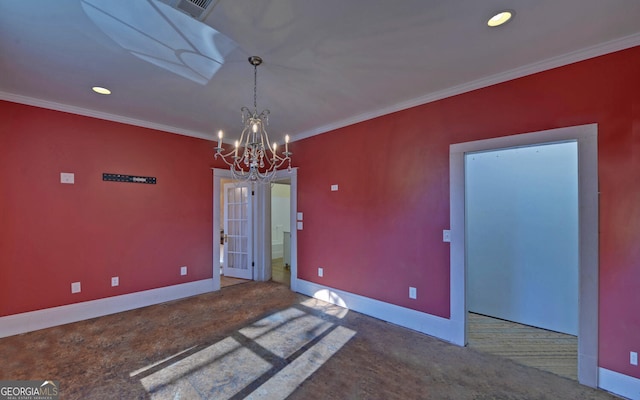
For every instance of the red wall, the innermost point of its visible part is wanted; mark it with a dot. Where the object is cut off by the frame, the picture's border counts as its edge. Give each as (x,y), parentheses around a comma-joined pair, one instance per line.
(378,235)
(382,231)
(53,234)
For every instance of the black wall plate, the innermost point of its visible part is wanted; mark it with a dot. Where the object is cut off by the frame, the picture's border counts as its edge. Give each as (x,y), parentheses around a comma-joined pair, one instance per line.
(128,178)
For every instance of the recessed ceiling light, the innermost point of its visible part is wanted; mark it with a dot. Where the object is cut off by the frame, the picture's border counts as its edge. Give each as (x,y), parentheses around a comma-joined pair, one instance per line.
(500,18)
(101,90)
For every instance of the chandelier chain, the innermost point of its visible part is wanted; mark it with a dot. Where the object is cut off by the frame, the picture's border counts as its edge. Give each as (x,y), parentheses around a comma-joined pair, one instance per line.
(255,88)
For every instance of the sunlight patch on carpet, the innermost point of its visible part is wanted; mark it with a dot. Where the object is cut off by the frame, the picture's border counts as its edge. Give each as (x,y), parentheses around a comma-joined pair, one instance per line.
(267,359)
(219,371)
(289,378)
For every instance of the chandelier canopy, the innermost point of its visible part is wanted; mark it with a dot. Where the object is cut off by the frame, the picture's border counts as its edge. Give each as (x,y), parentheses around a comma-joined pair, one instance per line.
(254,157)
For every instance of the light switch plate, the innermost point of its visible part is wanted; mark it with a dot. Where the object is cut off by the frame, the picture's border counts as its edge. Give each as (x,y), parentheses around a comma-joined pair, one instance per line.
(183,270)
(299,216)
(413,293)
(334,188)
(446,236)
(299,225)
(75,287)
(320,272)
(633,358)
(115,281)
(67,177)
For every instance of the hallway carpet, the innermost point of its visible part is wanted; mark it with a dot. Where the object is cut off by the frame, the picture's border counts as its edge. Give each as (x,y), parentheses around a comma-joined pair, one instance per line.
(280,272)
(229,281)
(539,348)
(260,340)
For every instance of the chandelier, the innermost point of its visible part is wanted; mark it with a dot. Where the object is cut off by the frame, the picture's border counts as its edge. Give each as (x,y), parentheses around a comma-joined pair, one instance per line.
(254,157)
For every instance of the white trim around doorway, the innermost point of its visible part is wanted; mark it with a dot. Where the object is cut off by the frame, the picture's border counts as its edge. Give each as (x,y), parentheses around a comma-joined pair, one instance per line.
(587,138)
(292,177)
(218,175)
(263,229)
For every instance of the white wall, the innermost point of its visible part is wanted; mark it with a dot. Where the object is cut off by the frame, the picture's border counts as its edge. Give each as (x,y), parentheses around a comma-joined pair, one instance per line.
(280,217)
(522,235)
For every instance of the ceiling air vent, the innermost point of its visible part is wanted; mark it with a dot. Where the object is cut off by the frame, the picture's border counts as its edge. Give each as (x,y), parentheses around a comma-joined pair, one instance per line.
(195,8)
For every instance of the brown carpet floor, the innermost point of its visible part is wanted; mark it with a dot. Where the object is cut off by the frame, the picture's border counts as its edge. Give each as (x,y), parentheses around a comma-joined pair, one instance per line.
(95,359)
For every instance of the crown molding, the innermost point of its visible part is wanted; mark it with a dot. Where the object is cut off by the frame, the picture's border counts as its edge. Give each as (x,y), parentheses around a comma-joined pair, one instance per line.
(51,105)
(544,65)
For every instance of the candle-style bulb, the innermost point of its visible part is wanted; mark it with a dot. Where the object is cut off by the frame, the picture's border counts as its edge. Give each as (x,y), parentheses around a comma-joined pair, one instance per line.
(220,138)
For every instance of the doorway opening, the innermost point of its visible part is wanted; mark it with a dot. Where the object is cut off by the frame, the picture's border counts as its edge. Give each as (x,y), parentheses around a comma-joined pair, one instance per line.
(521,214)
(586,137)
(281,232)
(242,240)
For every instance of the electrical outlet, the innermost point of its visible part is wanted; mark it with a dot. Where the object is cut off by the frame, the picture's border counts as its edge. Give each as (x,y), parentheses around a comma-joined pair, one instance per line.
(75,287)
(334,188)
(413,293)
(183,270)
(320,272)
(115,281)
(67,177)
(633,358)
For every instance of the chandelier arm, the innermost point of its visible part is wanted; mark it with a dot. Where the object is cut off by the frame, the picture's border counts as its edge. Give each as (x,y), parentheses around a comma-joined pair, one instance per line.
(281,162)
(219,154)
(267,175)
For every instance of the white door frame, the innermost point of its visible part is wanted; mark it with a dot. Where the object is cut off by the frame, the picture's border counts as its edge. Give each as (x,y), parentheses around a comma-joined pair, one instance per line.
(262,224)
(587,139)
(218,175)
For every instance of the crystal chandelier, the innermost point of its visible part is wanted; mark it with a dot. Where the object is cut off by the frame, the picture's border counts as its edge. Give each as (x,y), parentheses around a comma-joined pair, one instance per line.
(254,157)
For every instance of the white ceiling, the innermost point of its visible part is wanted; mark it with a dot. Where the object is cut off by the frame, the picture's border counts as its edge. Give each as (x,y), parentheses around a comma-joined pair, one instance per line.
(326,63)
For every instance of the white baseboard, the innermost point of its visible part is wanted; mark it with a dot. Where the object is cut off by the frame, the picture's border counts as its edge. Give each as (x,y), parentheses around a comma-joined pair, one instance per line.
(442,328)
(40,319)
(620,384)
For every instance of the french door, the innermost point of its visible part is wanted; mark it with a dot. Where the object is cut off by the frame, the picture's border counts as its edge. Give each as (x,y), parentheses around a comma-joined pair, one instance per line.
(237,259)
